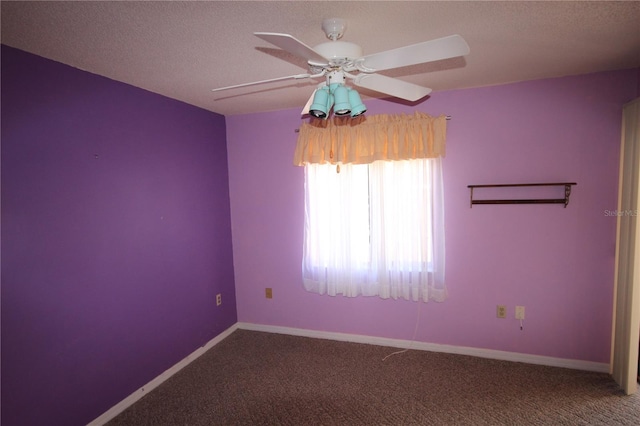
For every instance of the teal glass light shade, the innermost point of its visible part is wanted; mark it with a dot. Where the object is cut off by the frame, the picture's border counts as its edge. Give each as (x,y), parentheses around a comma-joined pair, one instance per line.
(357,107)
(342,105)
(319,106)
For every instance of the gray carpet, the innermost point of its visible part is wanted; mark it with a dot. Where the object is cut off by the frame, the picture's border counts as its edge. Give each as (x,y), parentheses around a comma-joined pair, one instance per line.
(254,378)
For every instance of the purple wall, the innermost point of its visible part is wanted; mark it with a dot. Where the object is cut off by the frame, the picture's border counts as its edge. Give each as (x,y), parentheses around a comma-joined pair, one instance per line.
(115,239)
(556,262)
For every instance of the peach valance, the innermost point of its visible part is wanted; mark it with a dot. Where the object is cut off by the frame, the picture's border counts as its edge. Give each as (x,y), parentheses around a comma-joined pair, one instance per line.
(365,139)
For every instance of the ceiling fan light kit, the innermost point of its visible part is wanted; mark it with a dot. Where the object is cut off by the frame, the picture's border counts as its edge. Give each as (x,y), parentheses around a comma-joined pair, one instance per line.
(343,100)
(334,94)
(340,60)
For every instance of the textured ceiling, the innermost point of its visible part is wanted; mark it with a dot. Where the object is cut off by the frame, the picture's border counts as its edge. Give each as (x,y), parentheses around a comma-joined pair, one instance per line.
(184,49)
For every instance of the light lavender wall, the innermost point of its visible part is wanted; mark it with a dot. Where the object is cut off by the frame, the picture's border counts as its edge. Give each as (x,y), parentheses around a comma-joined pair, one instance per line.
(556,262)
(115,239)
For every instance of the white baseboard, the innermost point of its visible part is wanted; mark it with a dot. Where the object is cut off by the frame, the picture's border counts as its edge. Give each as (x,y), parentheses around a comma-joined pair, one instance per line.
(355,338)
(434,347)
(135,396)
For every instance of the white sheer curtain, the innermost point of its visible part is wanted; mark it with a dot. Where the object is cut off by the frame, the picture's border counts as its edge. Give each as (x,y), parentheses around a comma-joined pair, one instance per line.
(375,229)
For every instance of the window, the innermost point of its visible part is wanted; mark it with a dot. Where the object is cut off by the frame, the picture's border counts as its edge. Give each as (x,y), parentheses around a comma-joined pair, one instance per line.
(375,230)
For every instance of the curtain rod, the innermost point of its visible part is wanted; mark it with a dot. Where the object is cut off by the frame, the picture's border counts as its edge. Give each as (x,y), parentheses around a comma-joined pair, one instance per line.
(447,117)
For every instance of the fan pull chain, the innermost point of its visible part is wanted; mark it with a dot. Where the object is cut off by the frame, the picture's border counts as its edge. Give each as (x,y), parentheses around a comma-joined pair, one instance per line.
(331,157)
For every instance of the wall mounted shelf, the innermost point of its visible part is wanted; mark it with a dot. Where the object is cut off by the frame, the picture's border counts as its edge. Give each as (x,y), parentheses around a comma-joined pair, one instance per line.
(565,200)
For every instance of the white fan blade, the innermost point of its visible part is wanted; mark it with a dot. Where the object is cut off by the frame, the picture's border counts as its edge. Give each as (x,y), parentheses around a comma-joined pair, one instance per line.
(293,45)
(427,51)
(392,86)
(297,76)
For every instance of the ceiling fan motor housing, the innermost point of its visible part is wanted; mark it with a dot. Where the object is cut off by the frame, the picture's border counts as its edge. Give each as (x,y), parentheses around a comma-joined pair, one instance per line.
(339,53)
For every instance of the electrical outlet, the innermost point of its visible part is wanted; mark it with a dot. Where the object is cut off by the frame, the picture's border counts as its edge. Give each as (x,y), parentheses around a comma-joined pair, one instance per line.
(218,299)
(268,293)
(520,312)
(501,311)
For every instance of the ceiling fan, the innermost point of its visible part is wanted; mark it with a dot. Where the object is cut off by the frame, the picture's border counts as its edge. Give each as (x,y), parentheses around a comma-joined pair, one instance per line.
(338,61)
